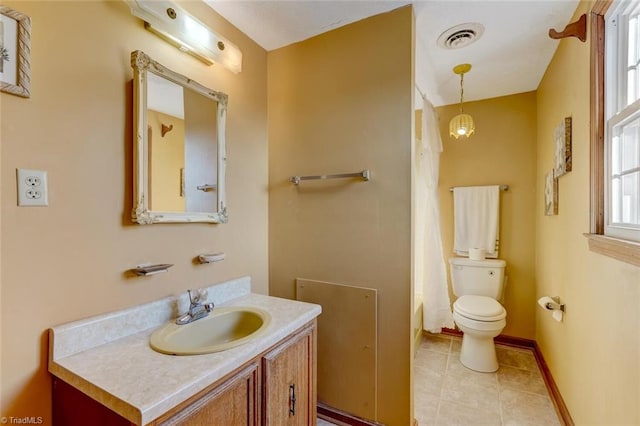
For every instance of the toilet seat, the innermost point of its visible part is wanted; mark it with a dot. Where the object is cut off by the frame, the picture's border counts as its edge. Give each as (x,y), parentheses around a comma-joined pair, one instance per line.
(479,308)
(468,325)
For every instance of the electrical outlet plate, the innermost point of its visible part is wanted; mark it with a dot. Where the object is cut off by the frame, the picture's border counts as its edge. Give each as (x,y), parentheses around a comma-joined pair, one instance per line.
(32,188)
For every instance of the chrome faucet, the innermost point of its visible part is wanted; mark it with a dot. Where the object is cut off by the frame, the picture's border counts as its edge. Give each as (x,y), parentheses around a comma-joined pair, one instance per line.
(197,310)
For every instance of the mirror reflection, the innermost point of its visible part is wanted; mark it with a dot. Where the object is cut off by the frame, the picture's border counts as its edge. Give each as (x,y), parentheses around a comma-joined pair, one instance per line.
(180,147)
(182,129)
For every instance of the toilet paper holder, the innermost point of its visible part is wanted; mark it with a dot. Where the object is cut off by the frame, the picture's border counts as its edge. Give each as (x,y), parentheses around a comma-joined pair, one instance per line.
(553,304)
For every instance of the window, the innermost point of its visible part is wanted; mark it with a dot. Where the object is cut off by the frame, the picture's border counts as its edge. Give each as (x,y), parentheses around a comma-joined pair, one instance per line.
(622,116)
(615,129)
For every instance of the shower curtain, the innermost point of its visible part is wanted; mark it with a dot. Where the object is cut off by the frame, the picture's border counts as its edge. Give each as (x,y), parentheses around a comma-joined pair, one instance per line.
(436,312)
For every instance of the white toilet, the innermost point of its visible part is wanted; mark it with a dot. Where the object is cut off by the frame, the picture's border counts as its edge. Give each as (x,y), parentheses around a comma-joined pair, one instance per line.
(479,285)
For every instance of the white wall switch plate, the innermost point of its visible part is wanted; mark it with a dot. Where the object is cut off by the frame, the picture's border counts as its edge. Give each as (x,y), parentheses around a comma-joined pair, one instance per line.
(32,188)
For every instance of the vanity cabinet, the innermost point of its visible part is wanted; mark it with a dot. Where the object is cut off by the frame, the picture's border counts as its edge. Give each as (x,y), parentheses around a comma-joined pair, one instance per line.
(234,402)
(276,388)
(288,374)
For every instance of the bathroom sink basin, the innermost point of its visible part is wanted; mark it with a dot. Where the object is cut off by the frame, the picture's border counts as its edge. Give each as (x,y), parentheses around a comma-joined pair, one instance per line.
(224,328)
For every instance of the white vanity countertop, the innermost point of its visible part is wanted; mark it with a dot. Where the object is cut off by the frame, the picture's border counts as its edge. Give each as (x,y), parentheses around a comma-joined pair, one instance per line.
(133,380)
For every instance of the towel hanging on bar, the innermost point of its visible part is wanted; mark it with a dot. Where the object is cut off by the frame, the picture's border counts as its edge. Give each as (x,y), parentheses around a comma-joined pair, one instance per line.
(476,211)
(502,188)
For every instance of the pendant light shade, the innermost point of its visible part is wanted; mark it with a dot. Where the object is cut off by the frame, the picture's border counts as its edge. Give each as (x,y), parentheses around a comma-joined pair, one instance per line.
(462,124)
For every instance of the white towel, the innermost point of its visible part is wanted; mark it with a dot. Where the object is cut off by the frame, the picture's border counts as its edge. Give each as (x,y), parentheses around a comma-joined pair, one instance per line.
(476,214)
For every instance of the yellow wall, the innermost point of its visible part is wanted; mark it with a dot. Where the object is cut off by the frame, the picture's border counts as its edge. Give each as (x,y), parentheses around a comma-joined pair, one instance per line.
(167,159)
(594,355)
(501,151)
(342,102)
(68,260)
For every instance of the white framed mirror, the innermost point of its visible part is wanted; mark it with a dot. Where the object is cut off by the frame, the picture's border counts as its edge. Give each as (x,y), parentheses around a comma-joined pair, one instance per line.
(179,147)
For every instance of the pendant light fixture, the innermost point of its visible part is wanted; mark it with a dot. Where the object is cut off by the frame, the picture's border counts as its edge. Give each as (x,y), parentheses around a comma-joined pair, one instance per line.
(462,124)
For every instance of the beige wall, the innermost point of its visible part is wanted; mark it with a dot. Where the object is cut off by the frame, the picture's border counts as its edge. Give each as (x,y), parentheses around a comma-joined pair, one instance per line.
(167,159)
(594,355)
(342,102)
(68,261)
(501,151)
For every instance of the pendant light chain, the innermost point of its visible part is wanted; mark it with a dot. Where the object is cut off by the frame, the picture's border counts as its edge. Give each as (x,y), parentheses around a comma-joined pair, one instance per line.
(461,90)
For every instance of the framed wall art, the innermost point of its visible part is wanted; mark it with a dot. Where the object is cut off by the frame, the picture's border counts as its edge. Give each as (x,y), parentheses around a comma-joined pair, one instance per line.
(15,52)
(550,194)
(562,139)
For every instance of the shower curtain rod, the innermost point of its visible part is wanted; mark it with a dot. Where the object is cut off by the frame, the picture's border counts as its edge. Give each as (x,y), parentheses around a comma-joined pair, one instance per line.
(502,188)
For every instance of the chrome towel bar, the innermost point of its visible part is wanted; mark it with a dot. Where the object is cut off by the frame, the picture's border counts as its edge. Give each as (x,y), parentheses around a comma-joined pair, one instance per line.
(365,175)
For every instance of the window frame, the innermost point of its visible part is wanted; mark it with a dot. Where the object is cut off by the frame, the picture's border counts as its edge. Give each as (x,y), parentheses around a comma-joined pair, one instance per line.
(618,111)
(624,250)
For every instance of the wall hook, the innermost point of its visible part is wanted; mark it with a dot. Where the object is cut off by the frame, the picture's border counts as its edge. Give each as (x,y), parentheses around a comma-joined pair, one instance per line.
(164,129)
(575,29)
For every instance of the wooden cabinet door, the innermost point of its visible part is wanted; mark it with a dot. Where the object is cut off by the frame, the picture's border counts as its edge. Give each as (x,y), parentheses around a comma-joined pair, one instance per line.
(288,372)
(234,402)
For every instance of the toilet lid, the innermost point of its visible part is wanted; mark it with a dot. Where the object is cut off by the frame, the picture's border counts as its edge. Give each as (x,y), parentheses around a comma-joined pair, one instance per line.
(479,308)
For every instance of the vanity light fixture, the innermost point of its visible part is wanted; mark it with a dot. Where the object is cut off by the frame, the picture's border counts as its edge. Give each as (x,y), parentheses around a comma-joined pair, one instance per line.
(462,124)
(178,27)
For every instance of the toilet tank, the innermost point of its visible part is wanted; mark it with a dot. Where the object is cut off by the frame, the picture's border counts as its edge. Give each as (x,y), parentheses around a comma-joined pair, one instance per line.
(477,277)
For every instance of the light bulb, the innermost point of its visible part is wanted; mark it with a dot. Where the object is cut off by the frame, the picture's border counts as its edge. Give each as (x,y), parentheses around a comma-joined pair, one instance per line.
(462,131)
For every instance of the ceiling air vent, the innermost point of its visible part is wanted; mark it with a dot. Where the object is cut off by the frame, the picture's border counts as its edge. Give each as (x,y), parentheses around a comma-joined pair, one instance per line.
(460,36)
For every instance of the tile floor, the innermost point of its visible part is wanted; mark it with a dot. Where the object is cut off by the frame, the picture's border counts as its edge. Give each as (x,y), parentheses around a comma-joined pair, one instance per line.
(447,393)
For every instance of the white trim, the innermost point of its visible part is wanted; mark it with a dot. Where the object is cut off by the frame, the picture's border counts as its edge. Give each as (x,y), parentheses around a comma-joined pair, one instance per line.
(617,112)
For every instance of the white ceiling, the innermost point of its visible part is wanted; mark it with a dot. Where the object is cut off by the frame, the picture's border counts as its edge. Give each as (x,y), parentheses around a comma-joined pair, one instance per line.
(511,57)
